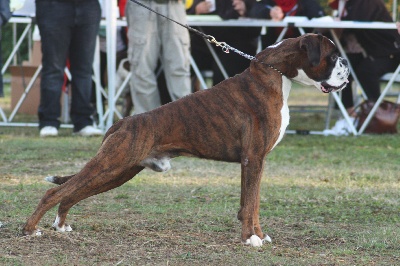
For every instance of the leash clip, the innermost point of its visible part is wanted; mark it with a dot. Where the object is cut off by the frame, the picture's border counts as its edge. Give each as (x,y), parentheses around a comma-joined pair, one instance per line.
(223,45)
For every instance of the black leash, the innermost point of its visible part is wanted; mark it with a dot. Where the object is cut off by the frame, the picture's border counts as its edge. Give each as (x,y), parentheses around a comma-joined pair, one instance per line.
(211,39)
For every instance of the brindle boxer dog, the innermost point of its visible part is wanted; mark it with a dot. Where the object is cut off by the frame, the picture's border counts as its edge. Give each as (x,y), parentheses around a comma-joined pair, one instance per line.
(239,120)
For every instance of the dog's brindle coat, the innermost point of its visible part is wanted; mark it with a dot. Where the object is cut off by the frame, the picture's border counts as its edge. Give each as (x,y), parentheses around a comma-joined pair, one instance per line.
(239,120)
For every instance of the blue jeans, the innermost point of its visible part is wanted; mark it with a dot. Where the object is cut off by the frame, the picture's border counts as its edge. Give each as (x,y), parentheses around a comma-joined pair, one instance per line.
(68,30)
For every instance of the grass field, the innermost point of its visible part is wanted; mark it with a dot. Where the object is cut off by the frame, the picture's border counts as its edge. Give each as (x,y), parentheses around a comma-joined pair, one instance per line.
(324,201)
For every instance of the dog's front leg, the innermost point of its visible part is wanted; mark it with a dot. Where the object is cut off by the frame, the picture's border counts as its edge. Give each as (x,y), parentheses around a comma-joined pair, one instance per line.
(249,201)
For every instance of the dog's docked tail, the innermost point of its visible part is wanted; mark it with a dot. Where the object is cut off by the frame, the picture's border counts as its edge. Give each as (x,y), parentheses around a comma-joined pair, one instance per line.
(59,180)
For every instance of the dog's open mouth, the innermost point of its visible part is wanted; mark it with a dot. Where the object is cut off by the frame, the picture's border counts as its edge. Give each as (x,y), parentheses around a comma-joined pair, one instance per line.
(326,88)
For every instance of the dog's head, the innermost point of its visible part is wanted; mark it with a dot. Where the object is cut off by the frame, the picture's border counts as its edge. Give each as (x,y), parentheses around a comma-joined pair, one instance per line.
(311,59)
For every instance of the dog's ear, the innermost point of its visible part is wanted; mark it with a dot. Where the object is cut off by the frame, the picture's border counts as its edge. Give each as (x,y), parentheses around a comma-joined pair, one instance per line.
(312,46)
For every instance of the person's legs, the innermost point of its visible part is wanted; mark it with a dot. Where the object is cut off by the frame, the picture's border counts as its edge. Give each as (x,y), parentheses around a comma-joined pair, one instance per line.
(54,20)
(175,50)
(81,54)
(143,54)
(370,70)
(347,92)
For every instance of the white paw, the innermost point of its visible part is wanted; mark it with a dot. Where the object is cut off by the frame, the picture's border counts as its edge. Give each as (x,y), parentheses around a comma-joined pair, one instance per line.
(59,229)
(267,239)
(64,228)
(38,232)
(254,241)
(49,179)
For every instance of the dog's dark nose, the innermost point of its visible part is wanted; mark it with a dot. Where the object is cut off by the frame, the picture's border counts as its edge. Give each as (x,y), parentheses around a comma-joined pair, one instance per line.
(344,62)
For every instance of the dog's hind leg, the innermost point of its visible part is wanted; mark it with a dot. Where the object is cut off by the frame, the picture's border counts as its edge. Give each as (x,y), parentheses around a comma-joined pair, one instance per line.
(51,198)
(93,179)
(108,169)
(82,192)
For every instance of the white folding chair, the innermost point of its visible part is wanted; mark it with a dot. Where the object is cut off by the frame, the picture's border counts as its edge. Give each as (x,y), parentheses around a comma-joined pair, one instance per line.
(393,77)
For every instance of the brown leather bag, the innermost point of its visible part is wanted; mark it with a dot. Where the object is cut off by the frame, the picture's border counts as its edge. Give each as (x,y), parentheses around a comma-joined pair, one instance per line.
(384,120)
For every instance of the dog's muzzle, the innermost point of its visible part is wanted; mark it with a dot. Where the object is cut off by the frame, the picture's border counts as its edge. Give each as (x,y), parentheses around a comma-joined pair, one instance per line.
(326,88)
(339,76)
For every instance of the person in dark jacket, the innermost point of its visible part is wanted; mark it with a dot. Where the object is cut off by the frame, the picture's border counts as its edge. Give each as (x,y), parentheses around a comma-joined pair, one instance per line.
(5,15)
(279,9)
(372,52)
(380,48)
(242,38)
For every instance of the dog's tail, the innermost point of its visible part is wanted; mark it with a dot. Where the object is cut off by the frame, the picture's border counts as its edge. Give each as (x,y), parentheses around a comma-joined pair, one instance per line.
(59,180)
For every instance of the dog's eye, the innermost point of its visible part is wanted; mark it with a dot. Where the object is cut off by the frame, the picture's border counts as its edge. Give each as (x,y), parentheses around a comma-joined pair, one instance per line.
(334,57)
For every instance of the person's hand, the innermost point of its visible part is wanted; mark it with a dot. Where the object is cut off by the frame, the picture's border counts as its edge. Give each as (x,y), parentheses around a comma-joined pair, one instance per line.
(276,13)
(239,6)
(203,8)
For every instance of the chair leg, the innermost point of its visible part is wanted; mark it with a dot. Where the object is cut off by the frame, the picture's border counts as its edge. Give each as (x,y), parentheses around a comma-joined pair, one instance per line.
(331,103)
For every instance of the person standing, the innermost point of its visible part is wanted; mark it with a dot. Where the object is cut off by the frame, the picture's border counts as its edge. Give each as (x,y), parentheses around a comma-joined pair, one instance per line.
(150,38)
(5,15)
(68,31)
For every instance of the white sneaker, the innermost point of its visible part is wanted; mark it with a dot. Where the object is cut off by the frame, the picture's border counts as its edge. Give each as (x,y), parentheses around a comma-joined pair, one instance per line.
(48,131)
(341,127)
(89,131)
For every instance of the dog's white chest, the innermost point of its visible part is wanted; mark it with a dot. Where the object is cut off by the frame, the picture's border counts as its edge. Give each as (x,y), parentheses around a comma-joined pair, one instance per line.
(286,86)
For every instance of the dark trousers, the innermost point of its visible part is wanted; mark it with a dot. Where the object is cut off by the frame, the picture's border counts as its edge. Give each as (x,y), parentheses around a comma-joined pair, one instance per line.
(68,30)
(369,71)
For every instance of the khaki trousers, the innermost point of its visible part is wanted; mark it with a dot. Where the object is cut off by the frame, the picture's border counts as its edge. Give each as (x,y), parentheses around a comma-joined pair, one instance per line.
(152,37)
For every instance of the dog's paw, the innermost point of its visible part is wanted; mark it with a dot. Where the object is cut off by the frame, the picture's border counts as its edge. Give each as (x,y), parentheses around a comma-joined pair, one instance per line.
(50,179)
(267,239)
(35,232)
(64,228)
(254,241)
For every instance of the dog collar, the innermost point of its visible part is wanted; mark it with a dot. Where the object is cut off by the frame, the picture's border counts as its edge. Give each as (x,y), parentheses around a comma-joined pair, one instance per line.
(272,67)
